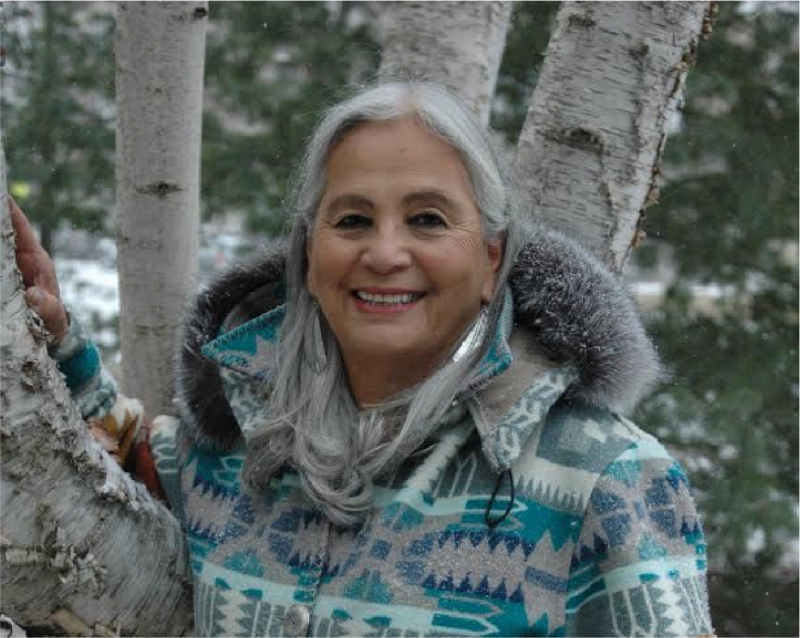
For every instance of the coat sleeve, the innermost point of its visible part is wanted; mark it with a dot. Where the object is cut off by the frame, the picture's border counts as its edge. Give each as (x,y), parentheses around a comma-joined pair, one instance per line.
(91,386)
(639,567)
(115,420)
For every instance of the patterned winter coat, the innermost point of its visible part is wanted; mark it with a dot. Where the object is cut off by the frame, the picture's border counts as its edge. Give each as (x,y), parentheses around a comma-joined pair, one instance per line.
(536,509)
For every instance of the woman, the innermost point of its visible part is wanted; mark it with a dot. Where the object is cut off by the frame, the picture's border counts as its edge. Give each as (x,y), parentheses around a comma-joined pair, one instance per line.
(406,421)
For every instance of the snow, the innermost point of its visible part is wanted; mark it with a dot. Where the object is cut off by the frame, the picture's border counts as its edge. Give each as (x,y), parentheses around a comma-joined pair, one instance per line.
(88,287)
(86,267)
(757,541)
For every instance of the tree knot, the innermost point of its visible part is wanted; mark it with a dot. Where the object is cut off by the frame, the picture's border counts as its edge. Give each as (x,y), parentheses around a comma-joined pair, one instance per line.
(159,189)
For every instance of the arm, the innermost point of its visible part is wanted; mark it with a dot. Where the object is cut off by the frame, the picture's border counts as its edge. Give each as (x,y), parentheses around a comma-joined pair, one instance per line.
(117,422)
(114,420)
(78,360)
(640,562)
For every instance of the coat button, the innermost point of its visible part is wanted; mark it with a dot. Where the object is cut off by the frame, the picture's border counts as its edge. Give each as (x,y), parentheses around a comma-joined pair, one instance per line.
(296,621)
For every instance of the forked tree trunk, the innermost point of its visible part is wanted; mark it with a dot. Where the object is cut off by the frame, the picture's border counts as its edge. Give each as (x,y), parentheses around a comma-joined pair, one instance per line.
(160,50)
(84,550)
(458,44)
(589,150)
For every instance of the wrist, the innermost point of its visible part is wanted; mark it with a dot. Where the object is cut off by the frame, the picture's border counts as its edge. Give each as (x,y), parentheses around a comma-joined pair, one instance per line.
(71,341)
(55,341)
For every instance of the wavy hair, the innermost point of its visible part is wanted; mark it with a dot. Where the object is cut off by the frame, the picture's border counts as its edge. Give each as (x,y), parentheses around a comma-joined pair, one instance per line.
(312,422)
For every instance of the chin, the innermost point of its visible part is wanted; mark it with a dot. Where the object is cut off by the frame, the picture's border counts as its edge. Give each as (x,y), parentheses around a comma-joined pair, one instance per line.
(389,350)
(390,347)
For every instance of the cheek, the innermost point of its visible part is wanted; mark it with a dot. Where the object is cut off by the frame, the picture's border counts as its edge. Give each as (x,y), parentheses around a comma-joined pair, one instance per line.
(459,263)
(329,262)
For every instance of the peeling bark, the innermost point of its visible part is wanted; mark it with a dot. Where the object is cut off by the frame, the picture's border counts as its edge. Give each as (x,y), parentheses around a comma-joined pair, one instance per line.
(458,44)
(84,549)
(589,150)
(160,50)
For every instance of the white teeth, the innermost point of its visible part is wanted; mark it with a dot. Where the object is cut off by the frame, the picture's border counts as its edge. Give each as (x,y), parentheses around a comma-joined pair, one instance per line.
(387,299)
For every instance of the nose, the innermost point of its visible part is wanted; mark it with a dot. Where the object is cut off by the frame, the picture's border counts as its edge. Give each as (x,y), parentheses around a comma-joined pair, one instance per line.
(386,251)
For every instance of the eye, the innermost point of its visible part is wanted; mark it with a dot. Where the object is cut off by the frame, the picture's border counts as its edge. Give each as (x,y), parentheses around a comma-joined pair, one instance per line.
(353,221)
(428,219)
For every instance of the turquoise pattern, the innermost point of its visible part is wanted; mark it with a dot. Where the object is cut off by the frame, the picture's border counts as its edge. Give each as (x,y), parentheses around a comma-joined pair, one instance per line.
(92,388)
(602,537)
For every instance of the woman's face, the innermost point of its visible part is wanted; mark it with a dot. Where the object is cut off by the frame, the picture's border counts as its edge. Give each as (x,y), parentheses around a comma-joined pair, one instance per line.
(397,258)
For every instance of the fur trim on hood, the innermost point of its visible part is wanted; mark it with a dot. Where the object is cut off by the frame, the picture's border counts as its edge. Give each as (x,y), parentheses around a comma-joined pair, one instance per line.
(578,311)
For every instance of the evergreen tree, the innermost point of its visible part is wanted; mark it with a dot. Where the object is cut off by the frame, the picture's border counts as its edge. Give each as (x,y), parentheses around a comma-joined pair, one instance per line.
(526,46)
(728,212)
(271,68)
(57,104)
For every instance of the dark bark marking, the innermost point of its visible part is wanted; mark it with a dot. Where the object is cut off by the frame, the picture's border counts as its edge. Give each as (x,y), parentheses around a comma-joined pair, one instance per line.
(708,20)
(159,189)
(639,51)
(581,21)
(583,138)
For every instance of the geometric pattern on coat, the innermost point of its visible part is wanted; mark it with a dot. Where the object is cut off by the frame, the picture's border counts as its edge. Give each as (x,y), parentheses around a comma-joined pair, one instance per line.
(601,538)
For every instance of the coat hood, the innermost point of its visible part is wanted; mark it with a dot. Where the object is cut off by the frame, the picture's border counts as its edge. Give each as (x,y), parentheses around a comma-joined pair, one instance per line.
(565,300)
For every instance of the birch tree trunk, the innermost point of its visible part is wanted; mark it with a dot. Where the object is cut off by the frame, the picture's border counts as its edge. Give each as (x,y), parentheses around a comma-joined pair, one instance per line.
(589,150)
(458,44)
(84,549)
(160,50)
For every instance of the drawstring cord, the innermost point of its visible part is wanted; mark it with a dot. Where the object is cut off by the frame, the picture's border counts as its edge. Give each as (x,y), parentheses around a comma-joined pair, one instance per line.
(494,522)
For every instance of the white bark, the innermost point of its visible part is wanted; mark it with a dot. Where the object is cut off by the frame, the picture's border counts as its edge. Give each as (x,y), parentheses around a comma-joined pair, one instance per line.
(458,44)
(160,50)
(595,130)
(83,548)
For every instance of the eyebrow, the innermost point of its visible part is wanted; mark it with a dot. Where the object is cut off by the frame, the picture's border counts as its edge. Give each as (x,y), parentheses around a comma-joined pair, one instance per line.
(431,196)
(349,200)
(428,196)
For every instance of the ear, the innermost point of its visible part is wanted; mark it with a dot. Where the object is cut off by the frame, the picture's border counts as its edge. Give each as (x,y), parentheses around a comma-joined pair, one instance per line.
(494,257)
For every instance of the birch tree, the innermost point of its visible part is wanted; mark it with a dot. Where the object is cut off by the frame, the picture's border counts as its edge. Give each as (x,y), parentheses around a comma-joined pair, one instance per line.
(458,44)
(589,149)
(588,154)
(160,49)
(84,549)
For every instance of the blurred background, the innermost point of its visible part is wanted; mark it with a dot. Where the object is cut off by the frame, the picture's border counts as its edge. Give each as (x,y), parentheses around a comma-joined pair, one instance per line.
(717,277)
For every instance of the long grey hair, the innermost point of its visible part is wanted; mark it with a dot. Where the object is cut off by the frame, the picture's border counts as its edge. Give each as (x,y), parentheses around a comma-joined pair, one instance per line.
(312,422)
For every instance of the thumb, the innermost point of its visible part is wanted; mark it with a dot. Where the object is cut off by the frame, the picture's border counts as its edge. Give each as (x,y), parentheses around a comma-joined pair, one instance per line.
(50,309)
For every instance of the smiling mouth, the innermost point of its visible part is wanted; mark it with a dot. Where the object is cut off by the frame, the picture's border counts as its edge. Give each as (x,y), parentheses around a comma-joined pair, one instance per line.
(388,299)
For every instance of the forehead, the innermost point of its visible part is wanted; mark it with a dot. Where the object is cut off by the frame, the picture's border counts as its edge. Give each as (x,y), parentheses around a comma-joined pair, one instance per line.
(396,153)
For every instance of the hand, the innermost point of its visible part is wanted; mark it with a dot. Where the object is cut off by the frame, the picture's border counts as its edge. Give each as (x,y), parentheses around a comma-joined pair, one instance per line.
(38,276)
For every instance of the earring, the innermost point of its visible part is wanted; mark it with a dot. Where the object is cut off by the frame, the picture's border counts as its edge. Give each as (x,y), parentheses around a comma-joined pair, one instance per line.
(474,337)
(315,345)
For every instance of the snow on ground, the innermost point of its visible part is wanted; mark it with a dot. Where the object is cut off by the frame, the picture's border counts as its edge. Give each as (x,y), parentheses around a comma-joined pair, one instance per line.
(89,287)
(87,275)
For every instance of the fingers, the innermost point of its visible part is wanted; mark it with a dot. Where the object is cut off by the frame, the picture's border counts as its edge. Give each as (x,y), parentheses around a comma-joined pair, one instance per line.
(37,271)
(32,260)
(50,309)
(26,237)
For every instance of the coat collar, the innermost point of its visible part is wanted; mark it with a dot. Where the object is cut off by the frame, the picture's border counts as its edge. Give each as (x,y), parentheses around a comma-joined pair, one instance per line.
(575,328)
(251,348)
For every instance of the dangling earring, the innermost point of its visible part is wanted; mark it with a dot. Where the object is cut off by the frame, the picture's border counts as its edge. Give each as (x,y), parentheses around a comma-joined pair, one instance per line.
(474,337)
(315,345)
